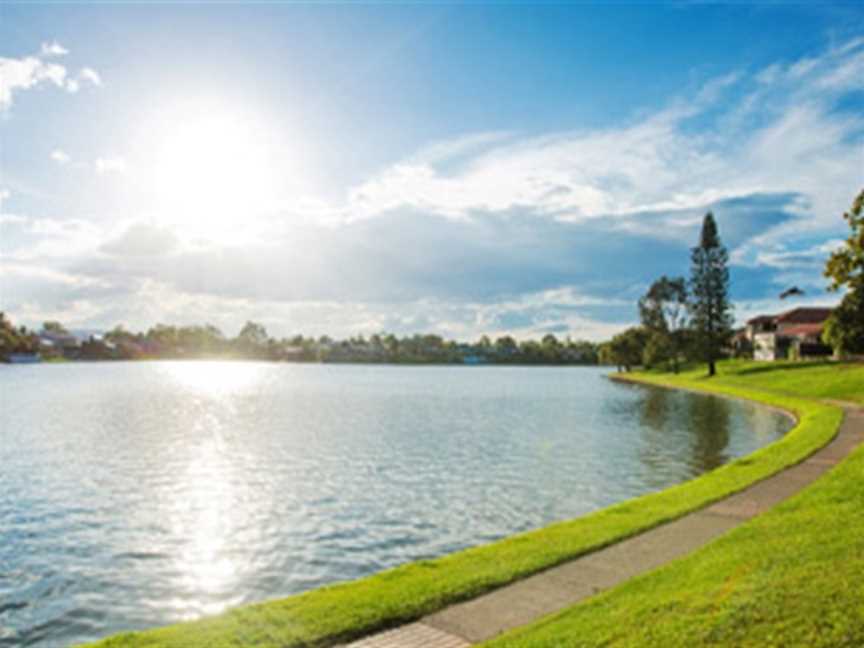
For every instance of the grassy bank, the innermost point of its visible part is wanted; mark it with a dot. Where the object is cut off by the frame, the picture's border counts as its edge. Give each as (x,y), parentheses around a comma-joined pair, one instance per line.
(791,577)
(811,380)
(348,610)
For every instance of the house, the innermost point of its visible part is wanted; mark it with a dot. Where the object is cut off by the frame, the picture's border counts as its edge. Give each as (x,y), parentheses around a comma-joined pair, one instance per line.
(794,334)
(60,344)
(760,324)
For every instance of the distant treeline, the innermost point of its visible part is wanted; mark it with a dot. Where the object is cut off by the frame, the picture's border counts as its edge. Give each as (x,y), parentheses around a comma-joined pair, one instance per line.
(253,342)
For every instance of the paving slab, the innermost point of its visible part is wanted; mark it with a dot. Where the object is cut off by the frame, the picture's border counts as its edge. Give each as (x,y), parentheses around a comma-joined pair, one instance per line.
(527,600)
(413,635)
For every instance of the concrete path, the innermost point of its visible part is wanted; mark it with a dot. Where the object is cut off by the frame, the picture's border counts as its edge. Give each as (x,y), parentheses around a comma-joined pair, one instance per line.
(560,587)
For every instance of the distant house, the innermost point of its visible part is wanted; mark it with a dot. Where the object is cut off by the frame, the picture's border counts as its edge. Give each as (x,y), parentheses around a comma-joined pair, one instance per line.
(60,344)
(474,359)
(794,334)
(289,353)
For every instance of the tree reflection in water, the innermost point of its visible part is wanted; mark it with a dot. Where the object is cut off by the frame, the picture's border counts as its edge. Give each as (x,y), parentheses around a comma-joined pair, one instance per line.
(709,420)
(683,434)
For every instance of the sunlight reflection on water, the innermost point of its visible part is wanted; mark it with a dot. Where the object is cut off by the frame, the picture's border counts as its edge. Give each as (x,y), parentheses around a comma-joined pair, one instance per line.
(205,508)
(139,494)
(213,378)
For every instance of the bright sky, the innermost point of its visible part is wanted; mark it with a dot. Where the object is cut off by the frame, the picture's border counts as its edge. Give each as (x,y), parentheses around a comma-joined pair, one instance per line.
(459,169)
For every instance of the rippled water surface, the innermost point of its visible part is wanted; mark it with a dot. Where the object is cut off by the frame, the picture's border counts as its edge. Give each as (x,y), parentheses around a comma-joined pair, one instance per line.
(133,495)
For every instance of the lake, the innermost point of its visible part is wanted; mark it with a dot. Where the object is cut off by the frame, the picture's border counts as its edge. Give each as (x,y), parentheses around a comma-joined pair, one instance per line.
(140,494)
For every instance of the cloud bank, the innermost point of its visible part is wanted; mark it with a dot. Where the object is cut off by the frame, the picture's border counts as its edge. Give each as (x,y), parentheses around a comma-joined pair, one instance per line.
(493,232)
(19,74)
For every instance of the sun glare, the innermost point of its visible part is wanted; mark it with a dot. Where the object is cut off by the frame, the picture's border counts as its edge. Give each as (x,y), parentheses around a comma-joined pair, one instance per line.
(214,169)
(214,378)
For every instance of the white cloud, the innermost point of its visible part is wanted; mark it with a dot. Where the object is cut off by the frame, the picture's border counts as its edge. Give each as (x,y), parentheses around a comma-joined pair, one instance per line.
(780,256)
(773,131)
(4,196)
(110,165)
(60,157)
(49,243)
(90,75)
(21,74)
(12,219)
(53,49)
(480,233)
(18,74)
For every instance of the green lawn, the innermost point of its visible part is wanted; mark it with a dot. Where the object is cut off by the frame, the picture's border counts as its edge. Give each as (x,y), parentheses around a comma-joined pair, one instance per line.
(791,577)
(327,615)
(841,381)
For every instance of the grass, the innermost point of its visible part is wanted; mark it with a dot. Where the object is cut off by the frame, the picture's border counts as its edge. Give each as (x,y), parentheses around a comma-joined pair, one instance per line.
(791,577)
(840,381)
(348,610)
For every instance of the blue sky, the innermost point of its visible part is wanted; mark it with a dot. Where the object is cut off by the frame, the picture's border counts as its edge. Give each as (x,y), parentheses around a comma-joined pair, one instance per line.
(462,169)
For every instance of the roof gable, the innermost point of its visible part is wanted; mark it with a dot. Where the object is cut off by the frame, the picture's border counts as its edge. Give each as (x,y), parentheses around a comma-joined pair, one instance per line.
(804,315)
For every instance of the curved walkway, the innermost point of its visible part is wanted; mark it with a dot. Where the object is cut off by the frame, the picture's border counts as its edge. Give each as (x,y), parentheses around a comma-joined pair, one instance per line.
(514,605)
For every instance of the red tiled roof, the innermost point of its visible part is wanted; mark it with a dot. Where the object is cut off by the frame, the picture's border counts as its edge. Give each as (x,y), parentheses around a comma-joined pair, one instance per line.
(804,316)
(803,329)
(761,318)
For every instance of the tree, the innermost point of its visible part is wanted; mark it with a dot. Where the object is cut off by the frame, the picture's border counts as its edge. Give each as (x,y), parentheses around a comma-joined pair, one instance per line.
(551,349)
(663,311)
(845,267)
(658,349)
(14,340)
(709,286)
(583,351)
(844,329)
(252,338)
(625,349)
(506,346)
(55,328)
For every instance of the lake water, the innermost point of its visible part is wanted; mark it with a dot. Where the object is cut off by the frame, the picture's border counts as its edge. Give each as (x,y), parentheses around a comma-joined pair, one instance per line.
(140,494)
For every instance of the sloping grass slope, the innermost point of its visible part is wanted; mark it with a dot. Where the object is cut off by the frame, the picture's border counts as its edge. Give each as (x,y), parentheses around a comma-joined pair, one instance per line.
(833,380)
(791,577)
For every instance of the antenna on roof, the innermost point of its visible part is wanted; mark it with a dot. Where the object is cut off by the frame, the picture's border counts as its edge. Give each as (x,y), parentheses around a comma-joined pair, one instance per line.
(794,291)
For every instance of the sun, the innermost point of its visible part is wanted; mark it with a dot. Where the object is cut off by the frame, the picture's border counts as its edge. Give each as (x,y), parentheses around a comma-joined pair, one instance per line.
(213,169)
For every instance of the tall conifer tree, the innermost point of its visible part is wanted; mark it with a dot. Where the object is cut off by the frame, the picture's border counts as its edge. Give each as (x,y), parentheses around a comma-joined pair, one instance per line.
(711,315)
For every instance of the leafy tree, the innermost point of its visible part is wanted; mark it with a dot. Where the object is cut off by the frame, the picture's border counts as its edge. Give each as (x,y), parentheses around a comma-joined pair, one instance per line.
(531,352)
(54,327)
(119,334)
(391,345)
(583,351)
(252,338)
(658,349)
(506,346)
(164,337)
(844,329)
(845,267)
(625,349)
(14,340)
(663,311)
(709,286)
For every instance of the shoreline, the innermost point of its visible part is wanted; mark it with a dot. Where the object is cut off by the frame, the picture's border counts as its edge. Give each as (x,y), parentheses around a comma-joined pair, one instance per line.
(409,592)
(67,361)
(695,390)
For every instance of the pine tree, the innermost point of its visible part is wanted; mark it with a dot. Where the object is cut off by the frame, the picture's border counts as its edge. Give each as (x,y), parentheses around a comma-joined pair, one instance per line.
(709,287)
